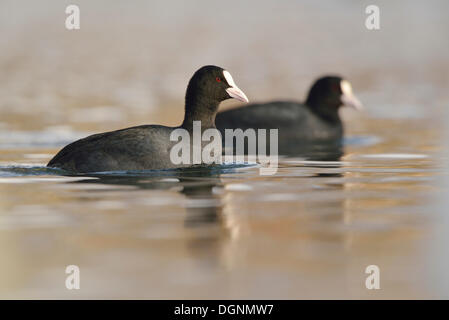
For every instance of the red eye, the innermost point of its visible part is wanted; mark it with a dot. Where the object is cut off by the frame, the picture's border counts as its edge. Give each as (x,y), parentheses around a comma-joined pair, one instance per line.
(218,79)
(335,87)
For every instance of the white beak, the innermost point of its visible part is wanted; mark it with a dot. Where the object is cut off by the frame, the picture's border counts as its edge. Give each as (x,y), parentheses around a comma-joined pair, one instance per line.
(348,98)
(234,91)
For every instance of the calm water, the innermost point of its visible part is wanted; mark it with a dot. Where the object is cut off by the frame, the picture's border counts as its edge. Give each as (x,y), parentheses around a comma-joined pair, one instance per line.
(223,232)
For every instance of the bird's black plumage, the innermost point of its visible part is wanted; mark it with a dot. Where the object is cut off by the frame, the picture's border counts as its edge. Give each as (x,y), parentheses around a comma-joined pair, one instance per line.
(148,146)
(314,124)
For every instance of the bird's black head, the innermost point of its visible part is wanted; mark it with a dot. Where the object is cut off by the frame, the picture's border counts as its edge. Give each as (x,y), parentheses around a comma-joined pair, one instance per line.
(207,88)
(329,93)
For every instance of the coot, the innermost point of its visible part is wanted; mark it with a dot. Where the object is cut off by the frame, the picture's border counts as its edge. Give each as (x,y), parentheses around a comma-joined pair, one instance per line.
(314,125)
(148,146)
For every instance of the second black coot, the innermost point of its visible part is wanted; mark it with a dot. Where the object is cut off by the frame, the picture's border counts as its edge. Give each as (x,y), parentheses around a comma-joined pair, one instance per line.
(148,146)
(302,126)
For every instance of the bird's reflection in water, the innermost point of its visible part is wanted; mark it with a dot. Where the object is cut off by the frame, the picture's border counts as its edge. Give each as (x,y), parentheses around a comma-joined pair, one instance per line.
(205,230)
(204,207)
(326,150)
(197,185)
(324,167)
(321,151)
(337,208)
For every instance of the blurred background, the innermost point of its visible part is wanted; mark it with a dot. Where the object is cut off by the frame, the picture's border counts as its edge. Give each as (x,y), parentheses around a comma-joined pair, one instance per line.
(308,232)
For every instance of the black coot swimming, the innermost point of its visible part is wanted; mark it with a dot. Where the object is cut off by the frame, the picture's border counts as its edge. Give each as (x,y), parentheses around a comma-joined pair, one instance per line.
(148,146)
(312,126)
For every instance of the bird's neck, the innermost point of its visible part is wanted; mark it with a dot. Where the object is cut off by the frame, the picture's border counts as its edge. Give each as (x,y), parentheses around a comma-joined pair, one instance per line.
(200,109)
(324,109)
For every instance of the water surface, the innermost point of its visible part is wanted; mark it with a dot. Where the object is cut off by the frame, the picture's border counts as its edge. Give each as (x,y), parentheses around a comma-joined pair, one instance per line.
(308,231)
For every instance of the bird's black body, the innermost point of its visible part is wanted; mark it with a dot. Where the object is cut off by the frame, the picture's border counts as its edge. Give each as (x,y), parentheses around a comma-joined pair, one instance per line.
(298,127)
(126,149)
(148,146)
(302,127)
